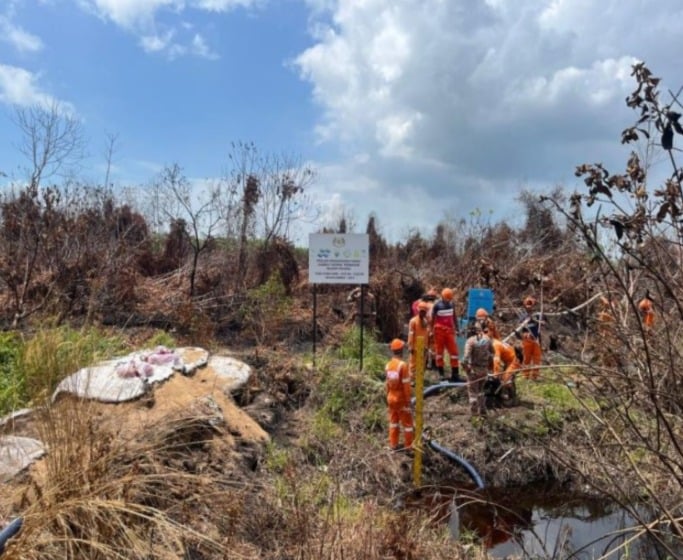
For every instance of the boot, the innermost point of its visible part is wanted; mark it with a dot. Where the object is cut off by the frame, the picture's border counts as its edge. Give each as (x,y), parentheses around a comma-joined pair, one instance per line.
(455,375)
(442,375)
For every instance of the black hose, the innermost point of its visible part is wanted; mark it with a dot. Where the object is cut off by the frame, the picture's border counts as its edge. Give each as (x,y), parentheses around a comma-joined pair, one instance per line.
(474,475)
(9,531)
(436,389)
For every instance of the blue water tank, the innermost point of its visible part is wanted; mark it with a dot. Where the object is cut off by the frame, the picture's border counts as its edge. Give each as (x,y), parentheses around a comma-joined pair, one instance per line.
(476,298)
(479,297)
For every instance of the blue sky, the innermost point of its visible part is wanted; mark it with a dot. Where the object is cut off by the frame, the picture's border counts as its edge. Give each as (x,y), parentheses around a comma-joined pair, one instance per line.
(167,107)
(415,110)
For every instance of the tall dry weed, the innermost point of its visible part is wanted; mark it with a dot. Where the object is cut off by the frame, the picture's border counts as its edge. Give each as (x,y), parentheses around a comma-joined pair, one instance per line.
(99,496)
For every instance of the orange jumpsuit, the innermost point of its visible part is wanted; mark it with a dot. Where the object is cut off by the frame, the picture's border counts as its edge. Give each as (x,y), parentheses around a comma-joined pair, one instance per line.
(399,393)
(443,322)
(429,345)
(531,344)
(505,362)
(647,313)
(417,327)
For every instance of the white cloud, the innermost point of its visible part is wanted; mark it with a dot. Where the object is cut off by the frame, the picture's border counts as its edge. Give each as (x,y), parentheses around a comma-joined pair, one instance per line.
(201,48)
(223,5)
(20,87)
(464,101)
(21,40)
(156,43)
(130,14)
(164,43)
(605,83)
(141,18)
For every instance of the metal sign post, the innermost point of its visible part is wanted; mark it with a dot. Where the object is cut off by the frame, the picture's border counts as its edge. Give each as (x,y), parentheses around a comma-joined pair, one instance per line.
(339,258)
(362,324)
(315,319)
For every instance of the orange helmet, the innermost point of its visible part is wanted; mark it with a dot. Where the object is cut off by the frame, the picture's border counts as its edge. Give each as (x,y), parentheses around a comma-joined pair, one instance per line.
(447,294)
(529,300)
(423,306)
(396,345)
(481,313)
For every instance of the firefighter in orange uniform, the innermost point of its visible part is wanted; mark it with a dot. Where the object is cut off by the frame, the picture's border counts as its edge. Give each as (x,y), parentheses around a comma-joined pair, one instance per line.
(399,393)
(429,297)
(487,323)
(505,365)
(444,330)
(647,312)
(418,326)
(505,362)
(530,333)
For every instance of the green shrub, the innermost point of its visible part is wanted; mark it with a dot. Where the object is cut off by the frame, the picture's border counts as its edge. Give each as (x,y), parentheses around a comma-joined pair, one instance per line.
(375,355)
(265,306)
(12,385)
(277,458)
(161,338)
(345,396)
(52,354)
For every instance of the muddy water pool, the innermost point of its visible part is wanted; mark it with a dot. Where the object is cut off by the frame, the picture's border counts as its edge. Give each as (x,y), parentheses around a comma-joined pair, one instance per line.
(540,521)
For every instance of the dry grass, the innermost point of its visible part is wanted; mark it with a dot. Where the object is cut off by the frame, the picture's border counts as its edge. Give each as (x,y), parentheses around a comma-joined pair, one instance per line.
(97,496)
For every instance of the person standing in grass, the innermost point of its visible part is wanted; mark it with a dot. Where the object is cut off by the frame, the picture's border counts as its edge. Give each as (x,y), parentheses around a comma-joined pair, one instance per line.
(444,327)
(399,393)
(478,363)
(530,333)
(418,326)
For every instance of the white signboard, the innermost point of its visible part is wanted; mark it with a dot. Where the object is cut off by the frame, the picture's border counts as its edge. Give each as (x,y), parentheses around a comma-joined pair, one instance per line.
(338,258)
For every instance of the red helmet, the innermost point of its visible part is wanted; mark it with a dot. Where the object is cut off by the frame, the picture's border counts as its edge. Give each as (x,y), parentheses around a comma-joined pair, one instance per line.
(447,294)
